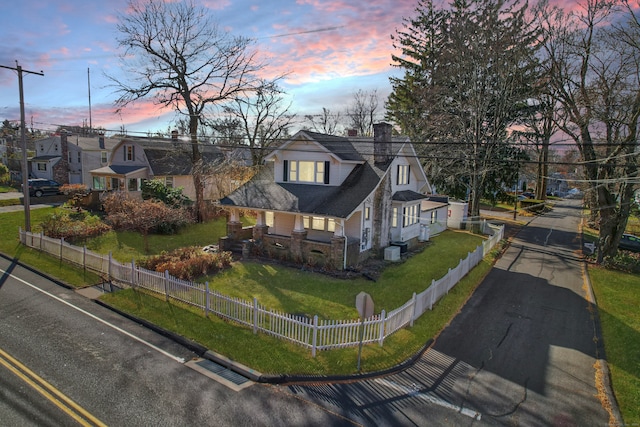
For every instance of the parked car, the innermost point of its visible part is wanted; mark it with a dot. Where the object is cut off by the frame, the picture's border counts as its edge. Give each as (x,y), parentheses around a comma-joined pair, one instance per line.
(529,195)
(629,242)
(39,187)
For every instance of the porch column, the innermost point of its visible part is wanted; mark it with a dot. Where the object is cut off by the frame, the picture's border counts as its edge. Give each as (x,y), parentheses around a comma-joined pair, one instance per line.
(338,252)
(261,228)
(298,235)
(299,224)
(234,226)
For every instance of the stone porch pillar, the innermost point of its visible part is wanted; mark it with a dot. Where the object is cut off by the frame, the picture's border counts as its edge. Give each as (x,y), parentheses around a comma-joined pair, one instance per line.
(338,252)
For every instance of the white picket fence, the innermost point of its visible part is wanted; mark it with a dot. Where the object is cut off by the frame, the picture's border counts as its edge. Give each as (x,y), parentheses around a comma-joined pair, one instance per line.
(314,333)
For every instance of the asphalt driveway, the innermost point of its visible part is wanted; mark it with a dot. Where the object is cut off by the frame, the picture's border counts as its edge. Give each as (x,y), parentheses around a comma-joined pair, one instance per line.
(524,350)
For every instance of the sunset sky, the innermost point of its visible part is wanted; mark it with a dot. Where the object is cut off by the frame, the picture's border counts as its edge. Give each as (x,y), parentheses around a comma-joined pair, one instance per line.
(331,48)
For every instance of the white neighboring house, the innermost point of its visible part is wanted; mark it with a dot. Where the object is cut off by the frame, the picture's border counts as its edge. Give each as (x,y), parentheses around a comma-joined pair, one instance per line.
(335,200)
(69,159)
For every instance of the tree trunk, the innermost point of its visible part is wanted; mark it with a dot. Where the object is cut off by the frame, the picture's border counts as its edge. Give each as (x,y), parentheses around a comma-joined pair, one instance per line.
(197,169)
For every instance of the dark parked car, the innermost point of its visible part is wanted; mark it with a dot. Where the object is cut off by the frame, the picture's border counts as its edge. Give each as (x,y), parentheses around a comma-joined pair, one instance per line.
(39,187)
(629,242)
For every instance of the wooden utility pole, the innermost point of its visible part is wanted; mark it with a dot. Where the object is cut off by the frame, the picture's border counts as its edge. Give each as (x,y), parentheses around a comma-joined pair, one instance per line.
(23,137)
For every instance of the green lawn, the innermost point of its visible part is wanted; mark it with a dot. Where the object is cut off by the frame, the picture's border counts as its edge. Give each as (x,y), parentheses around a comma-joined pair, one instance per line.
(297,291)
(618,298)
(10,246)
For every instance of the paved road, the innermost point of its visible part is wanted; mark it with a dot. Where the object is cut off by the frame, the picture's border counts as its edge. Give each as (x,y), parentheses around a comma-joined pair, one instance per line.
(521,352)
(118,371)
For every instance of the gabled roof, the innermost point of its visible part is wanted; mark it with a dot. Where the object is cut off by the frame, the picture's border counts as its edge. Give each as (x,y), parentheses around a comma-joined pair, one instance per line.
(336,201)
(169,157)
(338,145)
(117,170)
(262,192)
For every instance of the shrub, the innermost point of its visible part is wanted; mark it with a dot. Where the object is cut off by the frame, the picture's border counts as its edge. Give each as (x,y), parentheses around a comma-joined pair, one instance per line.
(73,226)
(188,263)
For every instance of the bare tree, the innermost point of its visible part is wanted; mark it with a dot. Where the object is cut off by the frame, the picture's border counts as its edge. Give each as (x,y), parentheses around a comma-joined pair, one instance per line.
(327,122)
(263,117)
(175,53)
(594,64)
(363,111)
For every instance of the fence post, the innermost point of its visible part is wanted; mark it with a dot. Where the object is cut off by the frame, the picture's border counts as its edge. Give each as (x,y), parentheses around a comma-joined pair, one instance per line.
(41,239)
(432,293)
(84,257)
(413,312)
(314,344)
(109,267)
(61,244)
(206,299)
(166,285)
(255,315)
(383,320)
(133,273)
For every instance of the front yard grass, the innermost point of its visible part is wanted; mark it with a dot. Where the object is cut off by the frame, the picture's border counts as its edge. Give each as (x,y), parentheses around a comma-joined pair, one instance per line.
(10,245)
(303,292)
(618,298)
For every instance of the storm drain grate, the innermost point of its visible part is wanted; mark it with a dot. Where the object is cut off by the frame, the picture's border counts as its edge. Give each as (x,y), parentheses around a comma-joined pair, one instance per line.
(223,372)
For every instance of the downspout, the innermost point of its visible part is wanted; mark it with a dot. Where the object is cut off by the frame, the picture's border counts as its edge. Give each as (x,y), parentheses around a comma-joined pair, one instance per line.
(344,255)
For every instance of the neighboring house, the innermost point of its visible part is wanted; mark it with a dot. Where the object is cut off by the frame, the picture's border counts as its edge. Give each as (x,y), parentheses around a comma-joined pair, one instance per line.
(69,159)
(558,184)
(136,159)
(334,201)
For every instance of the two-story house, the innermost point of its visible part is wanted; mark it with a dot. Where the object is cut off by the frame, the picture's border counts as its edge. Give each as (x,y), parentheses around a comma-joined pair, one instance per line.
(334,200)
(136,159)
(69,159)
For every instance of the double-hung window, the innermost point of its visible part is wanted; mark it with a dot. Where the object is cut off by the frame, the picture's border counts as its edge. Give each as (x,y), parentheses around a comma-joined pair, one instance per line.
(403,174)
(411,215)
(306,171)
(129,153)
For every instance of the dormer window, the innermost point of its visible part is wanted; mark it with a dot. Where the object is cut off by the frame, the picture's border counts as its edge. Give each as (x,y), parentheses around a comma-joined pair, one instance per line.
(129,153)
(305,171)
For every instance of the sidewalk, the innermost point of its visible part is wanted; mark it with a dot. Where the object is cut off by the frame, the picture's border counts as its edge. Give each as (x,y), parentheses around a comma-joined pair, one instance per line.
(20,207)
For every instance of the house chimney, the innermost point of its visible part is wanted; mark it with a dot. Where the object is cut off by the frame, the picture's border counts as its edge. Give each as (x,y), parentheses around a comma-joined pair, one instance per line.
(381,142)
(101,142)
(174,134)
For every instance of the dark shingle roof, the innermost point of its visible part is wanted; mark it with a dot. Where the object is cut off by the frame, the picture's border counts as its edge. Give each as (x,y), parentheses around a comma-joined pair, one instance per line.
(177,161)
(407,196)
(338,145)
(337,201)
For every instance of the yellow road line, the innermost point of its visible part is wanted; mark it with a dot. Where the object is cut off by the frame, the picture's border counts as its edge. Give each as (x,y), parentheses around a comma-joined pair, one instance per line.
(54,395)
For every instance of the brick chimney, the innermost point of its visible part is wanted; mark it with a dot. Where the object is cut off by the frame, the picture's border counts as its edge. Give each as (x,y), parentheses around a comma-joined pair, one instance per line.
(61,169)
(382,142)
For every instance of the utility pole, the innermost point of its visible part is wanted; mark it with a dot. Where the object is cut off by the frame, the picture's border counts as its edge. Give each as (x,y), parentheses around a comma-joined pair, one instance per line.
(23,136)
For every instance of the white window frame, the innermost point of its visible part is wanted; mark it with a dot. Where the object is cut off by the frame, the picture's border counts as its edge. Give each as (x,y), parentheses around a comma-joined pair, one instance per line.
(307,171)
(410,215)
(403,174)
(129,153)
(99,183)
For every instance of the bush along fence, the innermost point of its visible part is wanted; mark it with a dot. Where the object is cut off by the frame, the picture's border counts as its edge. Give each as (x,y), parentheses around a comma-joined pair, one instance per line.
(313,333)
